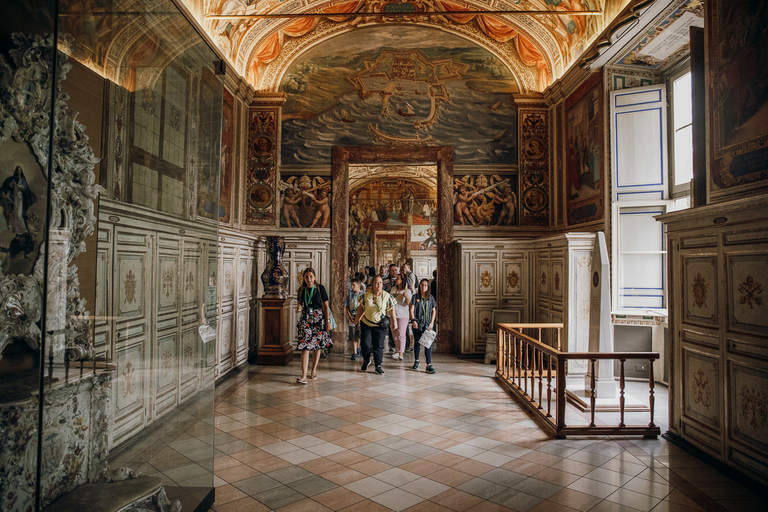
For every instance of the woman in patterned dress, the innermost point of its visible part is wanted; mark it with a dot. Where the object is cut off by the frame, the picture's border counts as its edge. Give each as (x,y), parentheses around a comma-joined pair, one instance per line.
(314,326)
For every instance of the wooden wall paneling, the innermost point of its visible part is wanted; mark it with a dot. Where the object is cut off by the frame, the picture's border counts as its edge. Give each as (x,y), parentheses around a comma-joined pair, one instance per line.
(227,284)
(192,283)
(298,255)
(718,331)
(210,368)
(165,350)
(102,308)
(131,307)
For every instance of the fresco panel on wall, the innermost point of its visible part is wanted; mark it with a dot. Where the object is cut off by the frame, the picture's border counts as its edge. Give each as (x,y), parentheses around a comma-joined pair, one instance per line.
(407,86)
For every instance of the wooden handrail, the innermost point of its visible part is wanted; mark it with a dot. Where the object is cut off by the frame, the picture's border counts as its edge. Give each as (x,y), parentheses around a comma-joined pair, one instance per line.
(520,360)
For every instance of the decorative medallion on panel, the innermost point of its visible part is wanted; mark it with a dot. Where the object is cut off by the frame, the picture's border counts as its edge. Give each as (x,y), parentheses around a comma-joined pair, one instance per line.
(749,409)
(483,323)
(228,279)
(261,178)
(130,293)
(747,279)
(701,382)
(534,167)
(486,278)
(187,356)
(243,284)
(512,278)
(168,289)
(129,385)
(543,279)
(241,331)
(191,271)
(700,290)
(738,134)
(557,279)
(165,374)
(226,336)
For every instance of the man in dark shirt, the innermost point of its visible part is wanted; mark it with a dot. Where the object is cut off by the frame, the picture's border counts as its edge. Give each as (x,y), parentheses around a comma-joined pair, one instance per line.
(433,285)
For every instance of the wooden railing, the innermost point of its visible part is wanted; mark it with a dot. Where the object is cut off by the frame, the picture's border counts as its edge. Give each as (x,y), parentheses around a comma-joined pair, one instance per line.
(539,327)
(527,366)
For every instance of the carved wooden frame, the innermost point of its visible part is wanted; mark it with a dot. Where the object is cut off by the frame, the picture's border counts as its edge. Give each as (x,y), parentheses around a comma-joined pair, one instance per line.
(441,156)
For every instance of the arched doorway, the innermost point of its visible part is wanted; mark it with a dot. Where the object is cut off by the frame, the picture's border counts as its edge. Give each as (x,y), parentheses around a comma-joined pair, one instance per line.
(441,157)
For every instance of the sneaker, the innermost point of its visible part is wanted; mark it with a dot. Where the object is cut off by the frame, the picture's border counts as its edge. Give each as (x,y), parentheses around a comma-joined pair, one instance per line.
(415,365)
(409,349)
(379,370)
(353,358)
(430,369)
(365,365)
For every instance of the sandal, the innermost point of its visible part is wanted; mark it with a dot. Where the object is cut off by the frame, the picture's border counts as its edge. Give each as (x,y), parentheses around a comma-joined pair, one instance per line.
(314,375)
(301,381)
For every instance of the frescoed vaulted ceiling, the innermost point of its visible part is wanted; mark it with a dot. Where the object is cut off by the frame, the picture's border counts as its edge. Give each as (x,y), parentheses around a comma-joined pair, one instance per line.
(537,48)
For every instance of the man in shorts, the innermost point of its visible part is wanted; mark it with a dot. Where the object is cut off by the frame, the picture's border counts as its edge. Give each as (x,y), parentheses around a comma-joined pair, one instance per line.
(354,299)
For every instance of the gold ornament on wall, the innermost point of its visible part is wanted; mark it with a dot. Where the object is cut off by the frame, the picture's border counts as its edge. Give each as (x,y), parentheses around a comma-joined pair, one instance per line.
(513,279)
(485,279)
(128,383)
(168,283)
(486,325)
(557,281)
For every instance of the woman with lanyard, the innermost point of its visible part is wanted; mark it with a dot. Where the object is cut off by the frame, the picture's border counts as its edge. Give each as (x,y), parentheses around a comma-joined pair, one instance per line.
(423,309)
(314,326)
(377,309)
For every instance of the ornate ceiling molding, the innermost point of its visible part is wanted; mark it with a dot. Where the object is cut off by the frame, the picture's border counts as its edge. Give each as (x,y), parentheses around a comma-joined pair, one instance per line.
(361,175)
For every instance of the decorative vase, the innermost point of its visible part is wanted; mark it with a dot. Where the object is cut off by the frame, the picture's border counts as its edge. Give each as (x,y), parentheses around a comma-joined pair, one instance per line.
(275,277)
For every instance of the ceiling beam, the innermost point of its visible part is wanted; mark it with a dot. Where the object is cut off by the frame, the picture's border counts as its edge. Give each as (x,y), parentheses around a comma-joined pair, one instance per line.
(396,14)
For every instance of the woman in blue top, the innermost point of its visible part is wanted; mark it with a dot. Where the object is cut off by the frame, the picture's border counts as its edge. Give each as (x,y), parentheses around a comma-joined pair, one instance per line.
(314,326)
(423,312)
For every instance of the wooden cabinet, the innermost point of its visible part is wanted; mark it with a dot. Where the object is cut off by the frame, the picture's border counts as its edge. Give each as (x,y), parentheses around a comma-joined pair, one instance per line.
(718,329)
(299,254)
(529,277)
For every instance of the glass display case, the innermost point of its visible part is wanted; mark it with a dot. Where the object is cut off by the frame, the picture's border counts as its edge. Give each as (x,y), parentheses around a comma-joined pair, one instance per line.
(110,153)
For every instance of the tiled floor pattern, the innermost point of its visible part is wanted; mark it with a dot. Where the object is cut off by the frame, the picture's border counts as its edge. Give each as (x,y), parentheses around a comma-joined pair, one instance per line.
(452,441)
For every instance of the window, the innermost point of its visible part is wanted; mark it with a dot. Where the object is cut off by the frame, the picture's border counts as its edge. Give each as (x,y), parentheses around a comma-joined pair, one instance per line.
(681,161)
(156,176)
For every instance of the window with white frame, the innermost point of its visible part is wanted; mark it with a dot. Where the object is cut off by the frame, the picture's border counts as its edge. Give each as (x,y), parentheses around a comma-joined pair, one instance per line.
(681,139)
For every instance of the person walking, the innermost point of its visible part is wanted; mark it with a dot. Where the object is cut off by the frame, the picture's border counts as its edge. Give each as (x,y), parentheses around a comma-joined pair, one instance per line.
(374,315)
(314,325)
(423,313)
(354,299)
(402,296)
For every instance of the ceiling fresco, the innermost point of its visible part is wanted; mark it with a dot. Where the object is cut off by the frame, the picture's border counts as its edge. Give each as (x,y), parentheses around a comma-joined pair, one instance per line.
(546,44)
(399,85)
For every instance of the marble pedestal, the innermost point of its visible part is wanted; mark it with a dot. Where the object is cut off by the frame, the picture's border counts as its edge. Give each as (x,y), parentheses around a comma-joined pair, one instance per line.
(275,347)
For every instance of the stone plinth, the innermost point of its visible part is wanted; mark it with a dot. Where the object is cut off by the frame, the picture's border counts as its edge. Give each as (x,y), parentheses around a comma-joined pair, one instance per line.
(275,347)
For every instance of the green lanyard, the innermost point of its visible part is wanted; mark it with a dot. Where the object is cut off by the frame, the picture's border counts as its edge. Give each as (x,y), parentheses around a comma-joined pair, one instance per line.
(425,308)
(308,301)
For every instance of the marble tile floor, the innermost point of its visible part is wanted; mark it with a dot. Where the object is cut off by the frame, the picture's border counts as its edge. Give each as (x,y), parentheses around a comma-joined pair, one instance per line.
(453,441)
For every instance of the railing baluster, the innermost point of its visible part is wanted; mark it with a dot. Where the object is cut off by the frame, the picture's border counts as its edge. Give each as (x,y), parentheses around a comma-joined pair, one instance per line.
(621,392)
(651,398)
(593,395)
(541,383)
(560,396)
(533,374)
(525,369)
(558,338)
(549,386)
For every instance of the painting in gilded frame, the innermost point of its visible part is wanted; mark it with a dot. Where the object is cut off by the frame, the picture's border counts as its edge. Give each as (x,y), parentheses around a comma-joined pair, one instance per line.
(584,159)
(738,95)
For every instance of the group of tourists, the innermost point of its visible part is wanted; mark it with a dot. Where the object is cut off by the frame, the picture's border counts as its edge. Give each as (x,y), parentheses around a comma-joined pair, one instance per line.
(377,305)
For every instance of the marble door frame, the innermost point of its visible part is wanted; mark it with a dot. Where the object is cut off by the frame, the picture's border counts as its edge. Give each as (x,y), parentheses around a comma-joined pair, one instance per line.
(440,156)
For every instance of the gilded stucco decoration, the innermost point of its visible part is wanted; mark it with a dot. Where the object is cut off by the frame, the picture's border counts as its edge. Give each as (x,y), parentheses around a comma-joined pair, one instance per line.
(546,44)
(750,291)
(534,167)
(486,325)
(485,279)
(129,286)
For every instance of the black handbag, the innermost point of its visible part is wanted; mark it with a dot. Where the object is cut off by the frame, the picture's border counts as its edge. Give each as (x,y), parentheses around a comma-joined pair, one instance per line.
(384,322)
